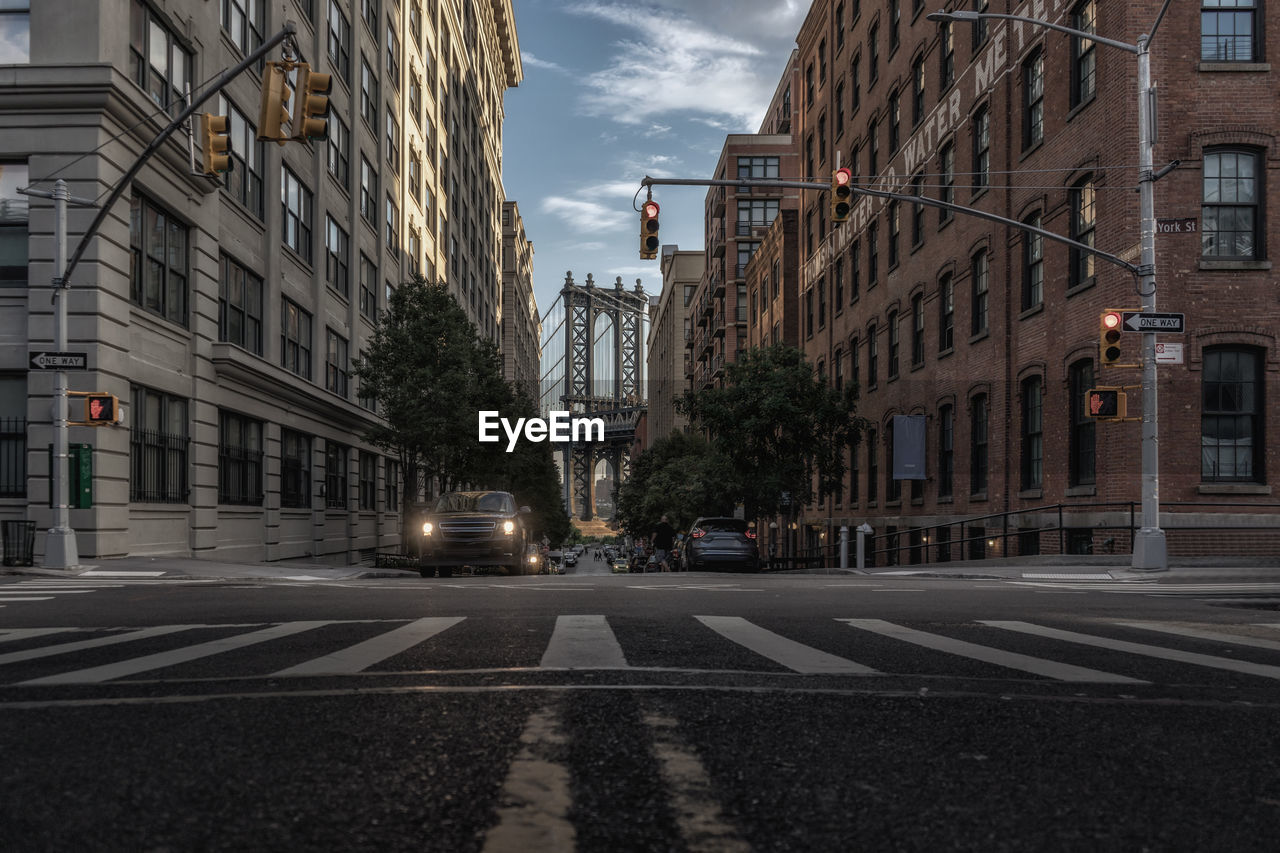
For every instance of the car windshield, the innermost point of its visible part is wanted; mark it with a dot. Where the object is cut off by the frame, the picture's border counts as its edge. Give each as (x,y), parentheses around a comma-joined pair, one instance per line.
(475,502)
(722,525)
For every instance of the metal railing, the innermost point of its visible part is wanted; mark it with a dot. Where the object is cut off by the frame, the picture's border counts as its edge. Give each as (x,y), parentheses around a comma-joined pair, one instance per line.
(13,457)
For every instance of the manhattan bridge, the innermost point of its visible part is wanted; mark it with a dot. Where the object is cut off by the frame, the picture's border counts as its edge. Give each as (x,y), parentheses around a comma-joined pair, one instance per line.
(593,343)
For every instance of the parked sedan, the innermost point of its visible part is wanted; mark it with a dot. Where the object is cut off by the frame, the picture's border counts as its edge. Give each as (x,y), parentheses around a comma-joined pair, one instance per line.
(721,544)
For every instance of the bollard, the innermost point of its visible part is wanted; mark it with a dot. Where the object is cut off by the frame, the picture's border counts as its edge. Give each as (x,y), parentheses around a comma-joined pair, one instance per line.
(864,530)
(844,546)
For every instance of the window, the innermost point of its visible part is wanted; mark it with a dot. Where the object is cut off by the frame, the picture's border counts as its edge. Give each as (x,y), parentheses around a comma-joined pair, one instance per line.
(15,38)
(854,498)
(855,87)
(821,287)
(296,201)
(873,254)
(947,179)
(339,41)
(239,306)
(892,486)
(1032,265)
(14,237)
(393,55)
(1227,31)
(837,369)
(946,449)
(873,356)
(245,180)
(855,272)
(895,19)
(335,363)
(1081,439)
(415,251)
(337,264)
(873,468)
(873,54)
(1231,417)
(1033,100)
(1083,223)
(917,90)
(368,192)
(1032,433)
(1230,210)
(946,56)
(808,84)
(295,339)
(13,434)
(917,330)
(243,20)
(978,445)
(369,11)
(393,225)
(158,441)
(822,61)
(980,25)
(368,481)
(895,227)
(894,347)
(917,211)
(757,167)
(393,141)
(946,313)
(981,269)
(368,93)
(157,61)
(1083,53)
(895,121)
(873,148)
(756,212)
(368,287)
(335,475)
(339,150)
(239,459)
(746,248)
(158,254)
(295,469)
(839,109)
(808,313)
(855,367)
(839,26)
(981,150)
(392,485)
(837,278)
(415,98)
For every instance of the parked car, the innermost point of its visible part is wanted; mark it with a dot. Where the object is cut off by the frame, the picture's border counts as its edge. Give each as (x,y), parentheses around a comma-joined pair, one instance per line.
(720,544)
(474,529)
(570,558)
(552,562)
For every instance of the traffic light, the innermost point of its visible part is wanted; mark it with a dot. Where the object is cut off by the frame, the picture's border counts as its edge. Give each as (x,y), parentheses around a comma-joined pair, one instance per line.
(313,104)
(273,116)
(841,194)
(1106,403)
(1109,337)
(649,230)
(215,143)
(101,409)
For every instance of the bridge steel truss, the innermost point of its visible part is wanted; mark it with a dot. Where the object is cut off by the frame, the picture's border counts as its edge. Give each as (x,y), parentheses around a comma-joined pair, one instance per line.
(620,405)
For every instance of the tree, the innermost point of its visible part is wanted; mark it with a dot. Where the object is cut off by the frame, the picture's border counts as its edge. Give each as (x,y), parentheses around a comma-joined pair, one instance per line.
(681,476)
(780,428)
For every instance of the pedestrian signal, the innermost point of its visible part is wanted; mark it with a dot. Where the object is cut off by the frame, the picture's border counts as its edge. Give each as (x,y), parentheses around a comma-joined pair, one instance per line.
(1106,403)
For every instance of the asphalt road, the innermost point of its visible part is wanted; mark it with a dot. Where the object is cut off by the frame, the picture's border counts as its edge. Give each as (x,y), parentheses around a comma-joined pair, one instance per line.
(597,712)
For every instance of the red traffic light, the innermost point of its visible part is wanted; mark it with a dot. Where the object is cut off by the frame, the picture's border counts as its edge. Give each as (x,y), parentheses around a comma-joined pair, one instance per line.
(1111,320)
(843,176)
(650,209)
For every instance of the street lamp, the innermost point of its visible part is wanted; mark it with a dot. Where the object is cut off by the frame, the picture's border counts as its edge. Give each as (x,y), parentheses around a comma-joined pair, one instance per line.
(1149,550)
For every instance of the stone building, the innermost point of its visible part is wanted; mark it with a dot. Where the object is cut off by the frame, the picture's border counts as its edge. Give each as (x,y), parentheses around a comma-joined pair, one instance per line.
(225,312)
(670,330)
(521,327)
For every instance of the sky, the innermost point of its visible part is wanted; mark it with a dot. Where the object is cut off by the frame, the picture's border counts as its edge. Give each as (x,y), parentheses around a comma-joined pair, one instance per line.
(614,91)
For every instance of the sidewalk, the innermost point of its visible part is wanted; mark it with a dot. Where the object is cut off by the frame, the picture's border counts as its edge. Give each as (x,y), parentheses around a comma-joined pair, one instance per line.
(1050,568)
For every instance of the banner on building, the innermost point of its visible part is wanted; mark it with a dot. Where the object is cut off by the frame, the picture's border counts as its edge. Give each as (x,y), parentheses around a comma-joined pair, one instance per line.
(908,447)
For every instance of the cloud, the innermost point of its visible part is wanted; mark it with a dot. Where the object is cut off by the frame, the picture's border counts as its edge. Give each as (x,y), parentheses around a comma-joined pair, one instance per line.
(528,60)
(582,215)
(682,60)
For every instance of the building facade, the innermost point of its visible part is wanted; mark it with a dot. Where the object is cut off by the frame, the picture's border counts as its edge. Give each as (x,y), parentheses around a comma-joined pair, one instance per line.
(225,312)
(987,334)
(521,328)
(670,334)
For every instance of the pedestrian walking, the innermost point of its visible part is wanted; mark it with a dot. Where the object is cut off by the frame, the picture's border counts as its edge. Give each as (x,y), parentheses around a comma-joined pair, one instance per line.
(664,539)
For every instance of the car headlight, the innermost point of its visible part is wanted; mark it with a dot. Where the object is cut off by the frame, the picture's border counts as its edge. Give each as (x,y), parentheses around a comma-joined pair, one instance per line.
(427,527)
(508,527)
(533,558)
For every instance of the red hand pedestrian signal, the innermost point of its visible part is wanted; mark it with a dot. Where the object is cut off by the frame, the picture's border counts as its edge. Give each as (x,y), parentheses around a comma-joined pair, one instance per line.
(1106,403)
(100,409)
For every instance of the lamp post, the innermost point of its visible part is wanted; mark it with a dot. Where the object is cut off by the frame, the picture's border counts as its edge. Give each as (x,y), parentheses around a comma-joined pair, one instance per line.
(1149,549)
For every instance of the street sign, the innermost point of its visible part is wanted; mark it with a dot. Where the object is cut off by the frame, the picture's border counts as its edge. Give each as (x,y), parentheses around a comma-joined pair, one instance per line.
(1136,321)
(1168,353)
(1177,226)
(60,361)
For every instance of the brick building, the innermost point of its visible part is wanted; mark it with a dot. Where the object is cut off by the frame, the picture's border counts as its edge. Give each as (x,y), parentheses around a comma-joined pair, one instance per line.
(989,333)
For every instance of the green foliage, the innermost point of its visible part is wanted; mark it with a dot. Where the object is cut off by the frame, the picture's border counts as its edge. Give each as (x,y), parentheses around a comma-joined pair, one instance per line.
(779,427)
(681,476)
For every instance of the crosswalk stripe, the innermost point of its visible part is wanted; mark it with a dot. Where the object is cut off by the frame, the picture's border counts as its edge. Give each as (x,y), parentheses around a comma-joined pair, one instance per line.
(30,598)
(583,642)
(1246,667)
(78,645)
(987,654)
(1214,636)
(11,634)
(42,590)
(794,656)
(364,655)
(162,659)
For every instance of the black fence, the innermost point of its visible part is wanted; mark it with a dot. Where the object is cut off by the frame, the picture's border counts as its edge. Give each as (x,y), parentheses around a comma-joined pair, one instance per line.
(13,457)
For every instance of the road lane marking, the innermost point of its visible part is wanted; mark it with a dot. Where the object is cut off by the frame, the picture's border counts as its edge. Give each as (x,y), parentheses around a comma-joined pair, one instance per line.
(11,634)
(364,655)
(987,654)
(162,659)
(1213,636)
(536,795)
(583,642)
(30,598)
(1263,670)
(96,573)
(794,656)
(78,645)
(698,816)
